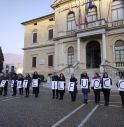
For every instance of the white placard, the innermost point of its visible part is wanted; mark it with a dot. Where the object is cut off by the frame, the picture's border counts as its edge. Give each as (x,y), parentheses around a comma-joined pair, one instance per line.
(35,83)
(71,86)
(106,83)
(61,85)
(25,83)
(3,82)
(12,83)
(54,85)
(96,83)
(19,84)
(84,83)
(121,85)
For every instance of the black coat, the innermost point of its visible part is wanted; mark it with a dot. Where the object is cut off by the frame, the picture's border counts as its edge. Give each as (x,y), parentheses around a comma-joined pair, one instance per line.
(75,87)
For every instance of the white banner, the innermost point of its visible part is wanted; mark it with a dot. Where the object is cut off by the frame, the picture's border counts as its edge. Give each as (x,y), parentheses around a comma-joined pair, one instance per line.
(71,86)
(3,82)
(25,83)
(19,84)
(106,83)
(96,83)
(84,83)
(12,83)
(34,82)
(121,85)
(54,85)
(61,85)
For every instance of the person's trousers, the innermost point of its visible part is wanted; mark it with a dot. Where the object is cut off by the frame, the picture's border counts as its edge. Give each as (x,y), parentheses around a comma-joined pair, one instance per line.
(55,93)
(97,95)
(73,96)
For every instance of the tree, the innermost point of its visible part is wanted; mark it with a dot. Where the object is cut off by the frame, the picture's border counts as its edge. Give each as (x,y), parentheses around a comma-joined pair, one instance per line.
(1,60)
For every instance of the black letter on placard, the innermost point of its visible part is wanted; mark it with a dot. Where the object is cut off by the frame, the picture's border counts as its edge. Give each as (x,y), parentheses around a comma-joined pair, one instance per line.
(70,86)
(105,82)
(121,87)
(95,85)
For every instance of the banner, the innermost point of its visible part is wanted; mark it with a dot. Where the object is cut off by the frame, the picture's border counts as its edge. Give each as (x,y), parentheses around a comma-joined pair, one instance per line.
(84,83)
(54,85)
(61,85)
(12,83)
(25,83)
(3,82)
(19,84)
(121,85)
(71,86)
(106,83)
(96,84)
(35,83)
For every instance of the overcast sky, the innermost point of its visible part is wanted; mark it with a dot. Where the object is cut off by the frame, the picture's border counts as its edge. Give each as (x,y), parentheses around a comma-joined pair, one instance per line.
(12,14)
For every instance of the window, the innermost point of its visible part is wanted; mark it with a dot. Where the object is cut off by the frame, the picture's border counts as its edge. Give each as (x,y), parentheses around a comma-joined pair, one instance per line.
(117,10)
(71,21)
(92,15)
(70,56)
(119,51)
(34,37)
(34,62)
(50,60)
(50,34)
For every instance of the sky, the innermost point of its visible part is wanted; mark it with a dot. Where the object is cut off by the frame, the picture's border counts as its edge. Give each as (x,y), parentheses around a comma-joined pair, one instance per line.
(12,14)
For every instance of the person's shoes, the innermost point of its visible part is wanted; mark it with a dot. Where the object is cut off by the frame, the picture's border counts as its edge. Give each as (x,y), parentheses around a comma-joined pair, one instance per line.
(56,97)
(53,97)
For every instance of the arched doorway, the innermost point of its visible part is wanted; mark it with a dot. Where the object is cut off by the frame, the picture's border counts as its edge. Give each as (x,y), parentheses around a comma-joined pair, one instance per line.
(93,54)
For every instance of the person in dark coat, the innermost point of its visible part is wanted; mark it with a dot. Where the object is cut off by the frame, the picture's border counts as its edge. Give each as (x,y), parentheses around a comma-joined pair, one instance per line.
(36,89)
(61,92)
(106,91)
(6,85)
(121,91)
(85,91)
(1,78)
(73,93)
(14,84)
(20,79)
(97,91)
(55,91)
(28,78)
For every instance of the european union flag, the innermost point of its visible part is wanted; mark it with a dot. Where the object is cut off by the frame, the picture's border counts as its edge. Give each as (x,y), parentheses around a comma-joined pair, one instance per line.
(90,4)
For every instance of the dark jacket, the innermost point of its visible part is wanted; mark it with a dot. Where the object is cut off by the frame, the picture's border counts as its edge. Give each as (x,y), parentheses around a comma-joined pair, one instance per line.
(85,77)
(75,87)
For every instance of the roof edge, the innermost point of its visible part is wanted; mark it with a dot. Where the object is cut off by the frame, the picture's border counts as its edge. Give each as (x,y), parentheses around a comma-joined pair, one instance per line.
(39,18)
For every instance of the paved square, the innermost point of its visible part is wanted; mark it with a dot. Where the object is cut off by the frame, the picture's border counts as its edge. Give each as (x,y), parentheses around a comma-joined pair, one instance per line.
(47,112)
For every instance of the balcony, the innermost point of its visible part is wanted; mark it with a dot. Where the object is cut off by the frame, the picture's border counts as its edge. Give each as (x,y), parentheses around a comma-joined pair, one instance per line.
(93,25)
(116,24)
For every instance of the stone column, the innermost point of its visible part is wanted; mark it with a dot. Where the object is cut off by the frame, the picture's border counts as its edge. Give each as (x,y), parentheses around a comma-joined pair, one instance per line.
(78,49)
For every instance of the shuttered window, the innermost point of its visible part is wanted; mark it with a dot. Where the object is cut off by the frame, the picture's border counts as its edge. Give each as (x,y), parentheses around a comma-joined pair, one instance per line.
(50,60)
(34,62)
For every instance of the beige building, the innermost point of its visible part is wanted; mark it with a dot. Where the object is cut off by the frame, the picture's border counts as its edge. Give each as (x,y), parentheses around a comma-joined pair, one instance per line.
(76,38)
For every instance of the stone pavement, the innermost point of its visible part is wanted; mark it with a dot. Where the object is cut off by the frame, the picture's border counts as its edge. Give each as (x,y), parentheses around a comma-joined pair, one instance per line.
(44,111)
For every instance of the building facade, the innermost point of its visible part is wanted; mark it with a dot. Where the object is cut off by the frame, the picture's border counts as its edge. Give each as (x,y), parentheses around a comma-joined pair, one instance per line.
(78,36)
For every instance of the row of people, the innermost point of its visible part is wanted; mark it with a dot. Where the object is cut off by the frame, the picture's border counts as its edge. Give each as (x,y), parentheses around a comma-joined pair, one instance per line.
(97,84)
(20,83)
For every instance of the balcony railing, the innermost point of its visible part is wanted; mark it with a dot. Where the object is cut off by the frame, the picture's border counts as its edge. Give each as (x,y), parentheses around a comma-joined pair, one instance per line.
(95,24)
(119,64)
(117,24)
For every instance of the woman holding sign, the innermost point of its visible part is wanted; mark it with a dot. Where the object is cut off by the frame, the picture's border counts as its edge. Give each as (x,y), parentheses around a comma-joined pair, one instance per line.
(14,84)
(85,85)
(55,79)
(35,83)
(120,85)
(96,86)
(61,86)
(72,88)
(20,84)
(26,84)
(1,78)
(106,87)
